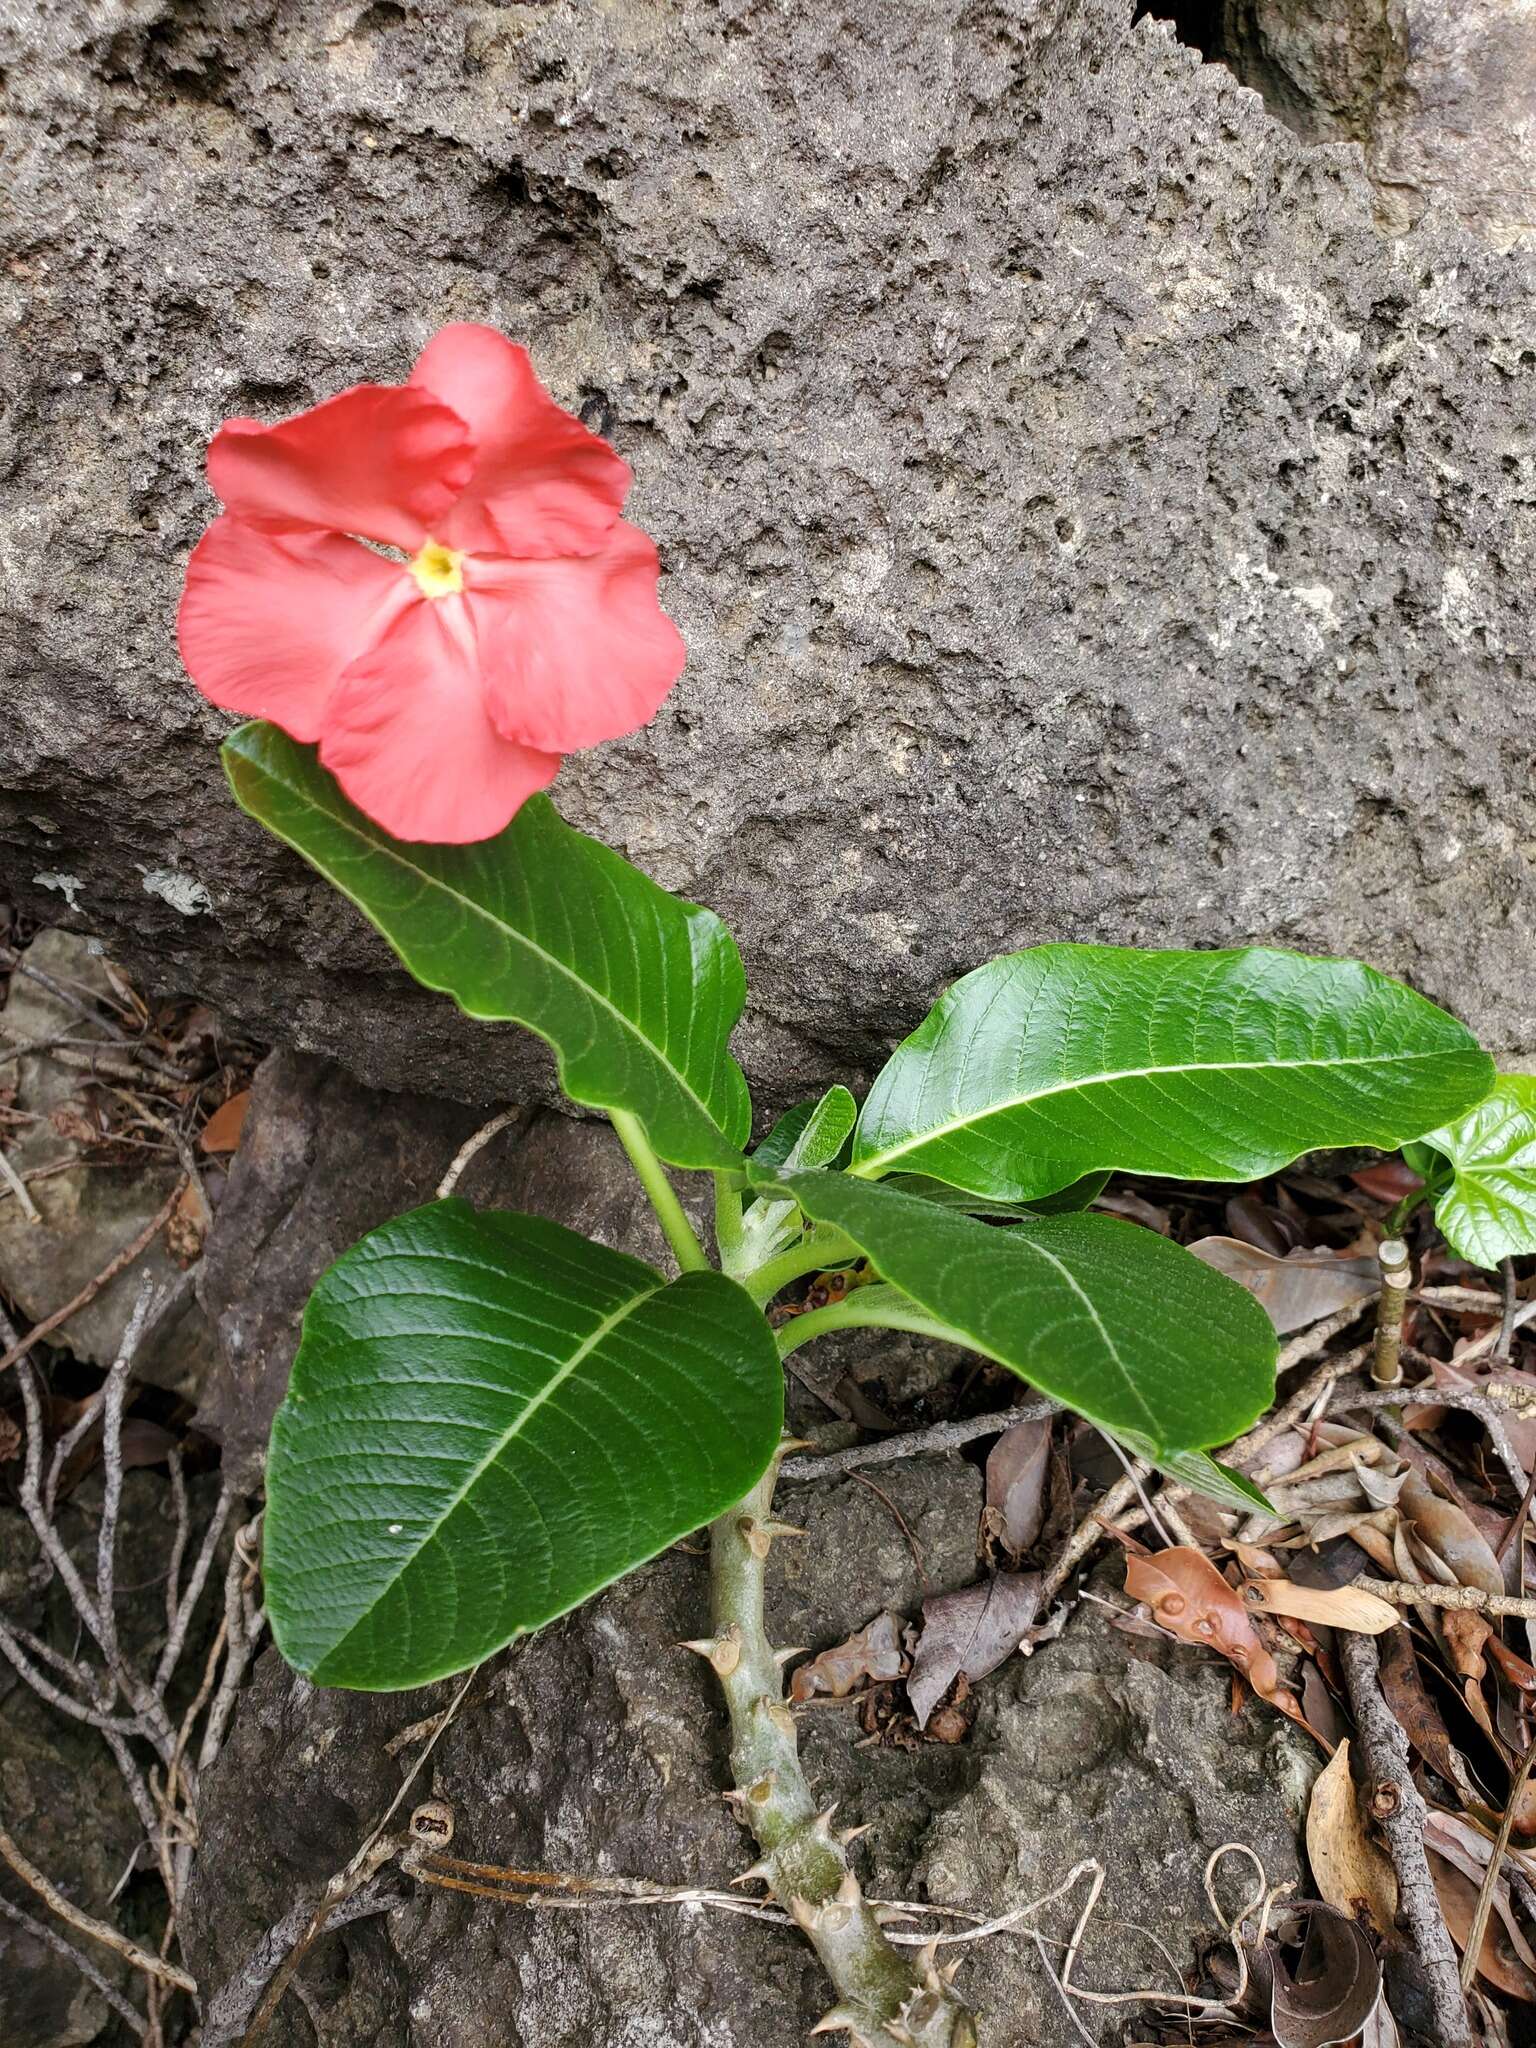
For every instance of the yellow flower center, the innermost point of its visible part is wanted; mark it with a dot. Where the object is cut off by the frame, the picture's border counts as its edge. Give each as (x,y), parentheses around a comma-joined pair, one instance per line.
(437,570)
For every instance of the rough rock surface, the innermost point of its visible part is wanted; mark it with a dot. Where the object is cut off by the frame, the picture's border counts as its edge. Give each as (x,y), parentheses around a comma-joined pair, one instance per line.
(1083,523)
(598,1748)
(1442,99)
(323,1160)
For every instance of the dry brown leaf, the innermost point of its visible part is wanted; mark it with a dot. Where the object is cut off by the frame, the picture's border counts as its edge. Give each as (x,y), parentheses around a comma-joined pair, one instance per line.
(1450,1532)
(1190,1598)
(1419,1718)
(1018,1475)
(222,1131)
(1352,1871)
(1336,1986)
(874,1654)
(1333,1607)
(1499,1961)
(969,1633)
(1295,1290)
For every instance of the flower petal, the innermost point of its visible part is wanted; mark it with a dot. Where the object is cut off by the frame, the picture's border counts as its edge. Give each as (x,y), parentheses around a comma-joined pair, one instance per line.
(269,620)
(408,736)
(579,650)
(543,484)
(383,460)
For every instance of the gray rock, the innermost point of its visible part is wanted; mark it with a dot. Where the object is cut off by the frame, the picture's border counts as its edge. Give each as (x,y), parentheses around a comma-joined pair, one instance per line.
(1083,524)
(1441,99)
(87,1212)
(597,1748)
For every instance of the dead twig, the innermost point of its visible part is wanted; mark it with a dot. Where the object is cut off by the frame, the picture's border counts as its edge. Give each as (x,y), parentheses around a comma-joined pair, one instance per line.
(18,1188)
(92,1288)
(98,1930)
(471,1146)
(1393,1800)
(1396,1279)
(1469,1599)
(1473,1947)
(939,1436)
(39,1930)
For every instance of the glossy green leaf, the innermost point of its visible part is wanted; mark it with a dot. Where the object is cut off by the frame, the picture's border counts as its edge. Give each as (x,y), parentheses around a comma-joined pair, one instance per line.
(1488,1212)
(1202,1474)
(636,992)
(1067,1060)
(490,1418)
(1119,1323)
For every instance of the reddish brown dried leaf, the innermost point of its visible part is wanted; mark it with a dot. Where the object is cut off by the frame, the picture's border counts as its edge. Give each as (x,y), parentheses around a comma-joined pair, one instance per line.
(222,1131)
(1498,1960)
(1191,1599)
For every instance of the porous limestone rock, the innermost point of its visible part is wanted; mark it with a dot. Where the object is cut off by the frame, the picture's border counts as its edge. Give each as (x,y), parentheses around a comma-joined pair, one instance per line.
(1084,524)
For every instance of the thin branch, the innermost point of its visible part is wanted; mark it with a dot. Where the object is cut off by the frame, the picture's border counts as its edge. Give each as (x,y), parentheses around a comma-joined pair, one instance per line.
(1396,1279)
(1472,1948)
(41,1931)
(939,1436)
(18,1188)
(98,1930)
(471,1146)
(1393,1799)
(1467,1599)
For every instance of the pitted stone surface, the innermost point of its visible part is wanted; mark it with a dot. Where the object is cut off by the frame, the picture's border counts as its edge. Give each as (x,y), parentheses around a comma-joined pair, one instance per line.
(1084,525)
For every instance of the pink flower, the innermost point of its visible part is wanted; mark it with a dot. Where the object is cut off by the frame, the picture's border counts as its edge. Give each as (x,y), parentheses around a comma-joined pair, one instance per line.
(517,620)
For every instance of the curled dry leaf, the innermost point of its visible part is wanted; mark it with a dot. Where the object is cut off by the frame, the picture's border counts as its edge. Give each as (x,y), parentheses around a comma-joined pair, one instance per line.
(1190,1598)
(1416,1714)
(1450,1532)
(1329,1607)
(1336,1985)
(873,1654)
(1018,1476)
(1296,1290)
(1353,1872)
(969,1633)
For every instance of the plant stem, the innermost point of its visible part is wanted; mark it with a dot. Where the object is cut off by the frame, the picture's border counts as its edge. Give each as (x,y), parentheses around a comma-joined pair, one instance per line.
(679,1232)
(883,2000)
(870,1308)
(824,1246)
(728,1230)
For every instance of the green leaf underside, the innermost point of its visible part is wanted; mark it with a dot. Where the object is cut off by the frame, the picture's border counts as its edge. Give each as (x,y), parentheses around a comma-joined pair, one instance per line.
(1081,1194)
(1217,1481)
(491,1418)
(1488,1212)
(1118,1322)
(636,992)
(1061,1061)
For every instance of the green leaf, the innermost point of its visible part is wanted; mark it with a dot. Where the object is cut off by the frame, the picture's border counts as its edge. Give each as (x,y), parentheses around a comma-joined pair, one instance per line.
(1067,1060)
(490,1418)
(1219,1482)
(1118,1322)
(811,1134)
(636,992)
(1488,1212)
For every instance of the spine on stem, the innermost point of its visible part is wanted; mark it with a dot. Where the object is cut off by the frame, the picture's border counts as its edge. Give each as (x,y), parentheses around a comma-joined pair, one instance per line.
(883,2000)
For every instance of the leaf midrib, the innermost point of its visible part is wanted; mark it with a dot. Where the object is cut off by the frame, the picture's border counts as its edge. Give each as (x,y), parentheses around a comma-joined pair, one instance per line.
(479,910)
(582,1352)
(863,1168)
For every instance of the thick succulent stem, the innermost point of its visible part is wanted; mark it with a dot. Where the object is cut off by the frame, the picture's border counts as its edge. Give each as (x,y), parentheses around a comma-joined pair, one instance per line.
(883,2000)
